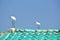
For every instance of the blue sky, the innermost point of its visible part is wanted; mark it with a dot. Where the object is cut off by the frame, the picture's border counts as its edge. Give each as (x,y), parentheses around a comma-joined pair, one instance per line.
(47,12)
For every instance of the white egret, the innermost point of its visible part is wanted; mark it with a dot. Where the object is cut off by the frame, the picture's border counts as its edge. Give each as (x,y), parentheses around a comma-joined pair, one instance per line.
(38,24)
(13,18)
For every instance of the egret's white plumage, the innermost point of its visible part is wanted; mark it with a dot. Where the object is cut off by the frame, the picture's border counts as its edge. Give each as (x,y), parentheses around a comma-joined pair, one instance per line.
(13,17)
(38,23)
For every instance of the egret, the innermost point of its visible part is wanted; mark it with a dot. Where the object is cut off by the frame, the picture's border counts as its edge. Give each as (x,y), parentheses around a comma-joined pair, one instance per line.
(13,18)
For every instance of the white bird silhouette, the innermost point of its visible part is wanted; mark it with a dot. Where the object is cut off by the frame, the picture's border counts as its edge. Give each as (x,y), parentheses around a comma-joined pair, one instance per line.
(13,18)
(38,23)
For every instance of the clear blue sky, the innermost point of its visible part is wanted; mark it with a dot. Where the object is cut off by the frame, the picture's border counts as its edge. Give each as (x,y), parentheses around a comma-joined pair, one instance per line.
(47,12)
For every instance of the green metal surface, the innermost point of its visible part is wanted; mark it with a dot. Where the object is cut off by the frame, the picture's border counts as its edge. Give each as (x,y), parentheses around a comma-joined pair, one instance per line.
(31,35)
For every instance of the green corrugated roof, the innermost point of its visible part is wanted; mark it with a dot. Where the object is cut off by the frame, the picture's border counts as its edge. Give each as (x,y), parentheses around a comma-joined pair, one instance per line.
(30,34)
